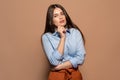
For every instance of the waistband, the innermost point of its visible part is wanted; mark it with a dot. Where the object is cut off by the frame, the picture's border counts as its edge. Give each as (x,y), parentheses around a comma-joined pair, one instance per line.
(65,70)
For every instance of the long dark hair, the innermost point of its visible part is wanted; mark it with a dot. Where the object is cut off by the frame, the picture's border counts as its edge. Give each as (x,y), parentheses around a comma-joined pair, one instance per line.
(50,27)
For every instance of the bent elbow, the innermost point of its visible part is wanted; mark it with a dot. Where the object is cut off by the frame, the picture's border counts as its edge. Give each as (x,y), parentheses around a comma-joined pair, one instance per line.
(54,62)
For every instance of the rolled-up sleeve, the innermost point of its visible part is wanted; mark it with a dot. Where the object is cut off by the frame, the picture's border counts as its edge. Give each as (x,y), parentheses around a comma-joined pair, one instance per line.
(53,55)
(79,56)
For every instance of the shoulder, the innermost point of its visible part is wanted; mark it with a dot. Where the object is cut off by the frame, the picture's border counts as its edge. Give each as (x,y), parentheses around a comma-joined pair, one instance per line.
(45,35)
(74,31)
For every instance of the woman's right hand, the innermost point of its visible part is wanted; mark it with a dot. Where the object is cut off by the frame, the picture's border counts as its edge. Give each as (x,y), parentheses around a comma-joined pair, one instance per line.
(62,31)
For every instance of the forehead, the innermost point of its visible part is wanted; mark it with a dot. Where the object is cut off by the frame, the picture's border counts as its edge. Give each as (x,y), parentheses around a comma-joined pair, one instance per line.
(57,10)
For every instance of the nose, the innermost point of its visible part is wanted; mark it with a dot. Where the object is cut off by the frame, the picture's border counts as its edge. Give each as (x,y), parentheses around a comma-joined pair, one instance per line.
(60,17)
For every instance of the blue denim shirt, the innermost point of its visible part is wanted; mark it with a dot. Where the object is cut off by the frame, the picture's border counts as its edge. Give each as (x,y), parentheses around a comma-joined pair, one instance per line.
(74,50)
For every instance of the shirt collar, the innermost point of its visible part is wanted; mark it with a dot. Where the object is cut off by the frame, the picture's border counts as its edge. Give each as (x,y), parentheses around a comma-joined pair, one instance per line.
(57,34)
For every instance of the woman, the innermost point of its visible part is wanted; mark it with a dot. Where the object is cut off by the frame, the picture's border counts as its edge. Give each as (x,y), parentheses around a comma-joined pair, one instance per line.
(63,44)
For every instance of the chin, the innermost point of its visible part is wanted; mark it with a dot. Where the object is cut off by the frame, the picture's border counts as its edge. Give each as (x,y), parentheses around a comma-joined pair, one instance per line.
(63,24)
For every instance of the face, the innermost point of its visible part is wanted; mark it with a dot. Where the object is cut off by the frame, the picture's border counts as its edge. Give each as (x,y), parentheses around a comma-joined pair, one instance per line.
(59,17)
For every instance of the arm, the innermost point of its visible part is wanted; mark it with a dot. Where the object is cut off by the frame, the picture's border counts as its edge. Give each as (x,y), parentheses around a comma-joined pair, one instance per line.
(60,47)
(80,50)
(79,55)
(53,54)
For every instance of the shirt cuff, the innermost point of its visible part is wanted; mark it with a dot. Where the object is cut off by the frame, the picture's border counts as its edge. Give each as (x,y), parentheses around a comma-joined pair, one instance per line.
(57,55)
(73,62)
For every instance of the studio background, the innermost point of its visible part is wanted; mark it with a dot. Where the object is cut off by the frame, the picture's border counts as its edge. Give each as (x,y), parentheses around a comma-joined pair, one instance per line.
(22,23)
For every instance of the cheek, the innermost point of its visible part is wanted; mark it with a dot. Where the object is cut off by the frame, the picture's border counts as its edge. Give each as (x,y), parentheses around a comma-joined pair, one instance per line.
(65,21)
(56,21)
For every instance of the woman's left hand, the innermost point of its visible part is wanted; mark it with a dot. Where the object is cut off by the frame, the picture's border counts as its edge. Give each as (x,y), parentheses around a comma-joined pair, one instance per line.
(64,65)
(58,67)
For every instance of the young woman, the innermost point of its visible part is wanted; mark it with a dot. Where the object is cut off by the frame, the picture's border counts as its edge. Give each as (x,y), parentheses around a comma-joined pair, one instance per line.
(63,43)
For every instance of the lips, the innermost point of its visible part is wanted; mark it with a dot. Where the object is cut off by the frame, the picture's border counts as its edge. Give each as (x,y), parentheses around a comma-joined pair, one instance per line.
(62,21)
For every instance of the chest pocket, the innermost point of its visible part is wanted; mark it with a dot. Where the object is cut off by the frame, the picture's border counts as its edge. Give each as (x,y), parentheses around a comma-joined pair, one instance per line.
(71,45)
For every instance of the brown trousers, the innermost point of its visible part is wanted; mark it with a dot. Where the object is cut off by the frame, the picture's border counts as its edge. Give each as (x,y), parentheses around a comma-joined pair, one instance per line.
(66,74)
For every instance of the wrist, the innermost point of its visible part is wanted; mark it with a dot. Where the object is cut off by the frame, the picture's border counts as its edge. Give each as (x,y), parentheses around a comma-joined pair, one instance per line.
(62,37)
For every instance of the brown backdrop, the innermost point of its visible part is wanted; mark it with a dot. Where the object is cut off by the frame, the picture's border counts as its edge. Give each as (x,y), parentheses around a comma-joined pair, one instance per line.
(22,23)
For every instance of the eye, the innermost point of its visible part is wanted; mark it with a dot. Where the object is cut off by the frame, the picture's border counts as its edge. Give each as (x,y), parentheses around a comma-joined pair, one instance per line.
(55,15)
(62,13)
